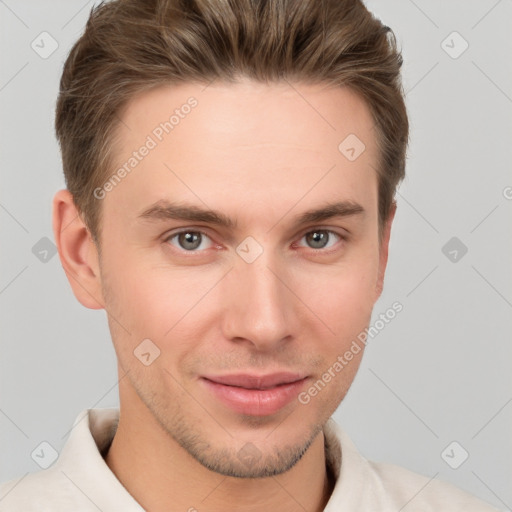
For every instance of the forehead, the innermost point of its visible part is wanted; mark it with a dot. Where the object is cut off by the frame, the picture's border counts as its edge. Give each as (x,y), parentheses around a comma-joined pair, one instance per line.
(245,142)
(249,112)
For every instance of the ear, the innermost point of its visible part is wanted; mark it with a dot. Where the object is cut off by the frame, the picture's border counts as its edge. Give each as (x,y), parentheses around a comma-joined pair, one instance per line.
(383,250)
(77,251)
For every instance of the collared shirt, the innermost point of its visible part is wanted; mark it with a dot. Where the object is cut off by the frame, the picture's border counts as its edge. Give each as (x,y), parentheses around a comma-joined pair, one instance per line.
(81,481)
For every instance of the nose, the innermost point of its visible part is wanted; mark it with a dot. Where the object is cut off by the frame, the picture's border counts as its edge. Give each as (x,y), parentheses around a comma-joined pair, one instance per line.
(260,310)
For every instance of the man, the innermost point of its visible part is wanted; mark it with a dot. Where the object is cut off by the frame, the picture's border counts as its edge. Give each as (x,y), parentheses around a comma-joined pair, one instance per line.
(230,170)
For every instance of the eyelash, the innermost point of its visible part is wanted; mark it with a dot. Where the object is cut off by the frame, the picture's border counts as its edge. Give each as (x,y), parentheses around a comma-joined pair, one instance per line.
(342,238)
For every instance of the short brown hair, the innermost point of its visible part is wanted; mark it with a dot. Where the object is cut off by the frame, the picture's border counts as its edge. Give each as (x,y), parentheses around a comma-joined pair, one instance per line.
(133,45)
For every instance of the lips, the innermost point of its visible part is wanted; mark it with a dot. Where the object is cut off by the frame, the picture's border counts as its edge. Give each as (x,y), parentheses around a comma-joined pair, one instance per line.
(256,381)
(255,395)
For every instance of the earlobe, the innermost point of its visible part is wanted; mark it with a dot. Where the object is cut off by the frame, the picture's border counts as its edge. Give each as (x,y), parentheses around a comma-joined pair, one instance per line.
(77,251)
(383,251)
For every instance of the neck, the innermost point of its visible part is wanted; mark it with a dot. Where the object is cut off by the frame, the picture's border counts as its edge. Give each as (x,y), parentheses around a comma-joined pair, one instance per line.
(162,476)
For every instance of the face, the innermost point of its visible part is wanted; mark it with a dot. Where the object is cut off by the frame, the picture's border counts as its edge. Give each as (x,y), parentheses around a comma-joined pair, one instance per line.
(243,247)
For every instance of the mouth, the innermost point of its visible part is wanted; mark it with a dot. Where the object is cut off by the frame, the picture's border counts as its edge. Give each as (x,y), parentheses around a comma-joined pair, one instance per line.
(255,395)
(249,381)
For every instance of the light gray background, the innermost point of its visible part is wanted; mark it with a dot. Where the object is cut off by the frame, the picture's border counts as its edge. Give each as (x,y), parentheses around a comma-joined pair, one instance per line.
(439,372)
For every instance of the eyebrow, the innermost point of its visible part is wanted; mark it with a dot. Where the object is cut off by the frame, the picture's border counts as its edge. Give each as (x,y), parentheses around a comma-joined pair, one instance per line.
(165,210)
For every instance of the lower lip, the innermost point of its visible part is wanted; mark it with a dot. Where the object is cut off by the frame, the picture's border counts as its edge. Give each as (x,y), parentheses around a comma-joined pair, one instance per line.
(255,402)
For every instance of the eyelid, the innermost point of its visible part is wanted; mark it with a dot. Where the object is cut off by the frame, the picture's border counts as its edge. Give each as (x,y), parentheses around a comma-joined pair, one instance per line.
(338,230)
(178,231)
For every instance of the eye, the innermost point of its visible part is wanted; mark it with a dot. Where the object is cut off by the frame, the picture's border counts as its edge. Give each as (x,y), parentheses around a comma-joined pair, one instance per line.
(321,239)
(190,241)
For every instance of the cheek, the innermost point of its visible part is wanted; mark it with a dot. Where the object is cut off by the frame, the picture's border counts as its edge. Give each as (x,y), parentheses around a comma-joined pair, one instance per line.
(155,302)
(342,296)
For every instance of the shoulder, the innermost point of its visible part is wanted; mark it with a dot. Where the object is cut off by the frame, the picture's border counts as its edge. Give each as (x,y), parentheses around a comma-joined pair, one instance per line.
(42,491)
(362,484)
(79,479)
(413,491)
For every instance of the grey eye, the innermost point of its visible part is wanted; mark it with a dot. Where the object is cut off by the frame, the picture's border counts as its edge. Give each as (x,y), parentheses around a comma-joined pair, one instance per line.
(190,241)
(321,238)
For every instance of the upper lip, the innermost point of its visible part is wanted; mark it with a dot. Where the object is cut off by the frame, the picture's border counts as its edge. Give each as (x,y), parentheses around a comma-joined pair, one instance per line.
(249,381)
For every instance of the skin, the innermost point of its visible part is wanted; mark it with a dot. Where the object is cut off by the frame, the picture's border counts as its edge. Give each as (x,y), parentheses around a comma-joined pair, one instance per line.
(261,155)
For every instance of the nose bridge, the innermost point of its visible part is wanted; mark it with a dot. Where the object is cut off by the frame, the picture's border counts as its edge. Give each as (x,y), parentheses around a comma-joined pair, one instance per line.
(260,308)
